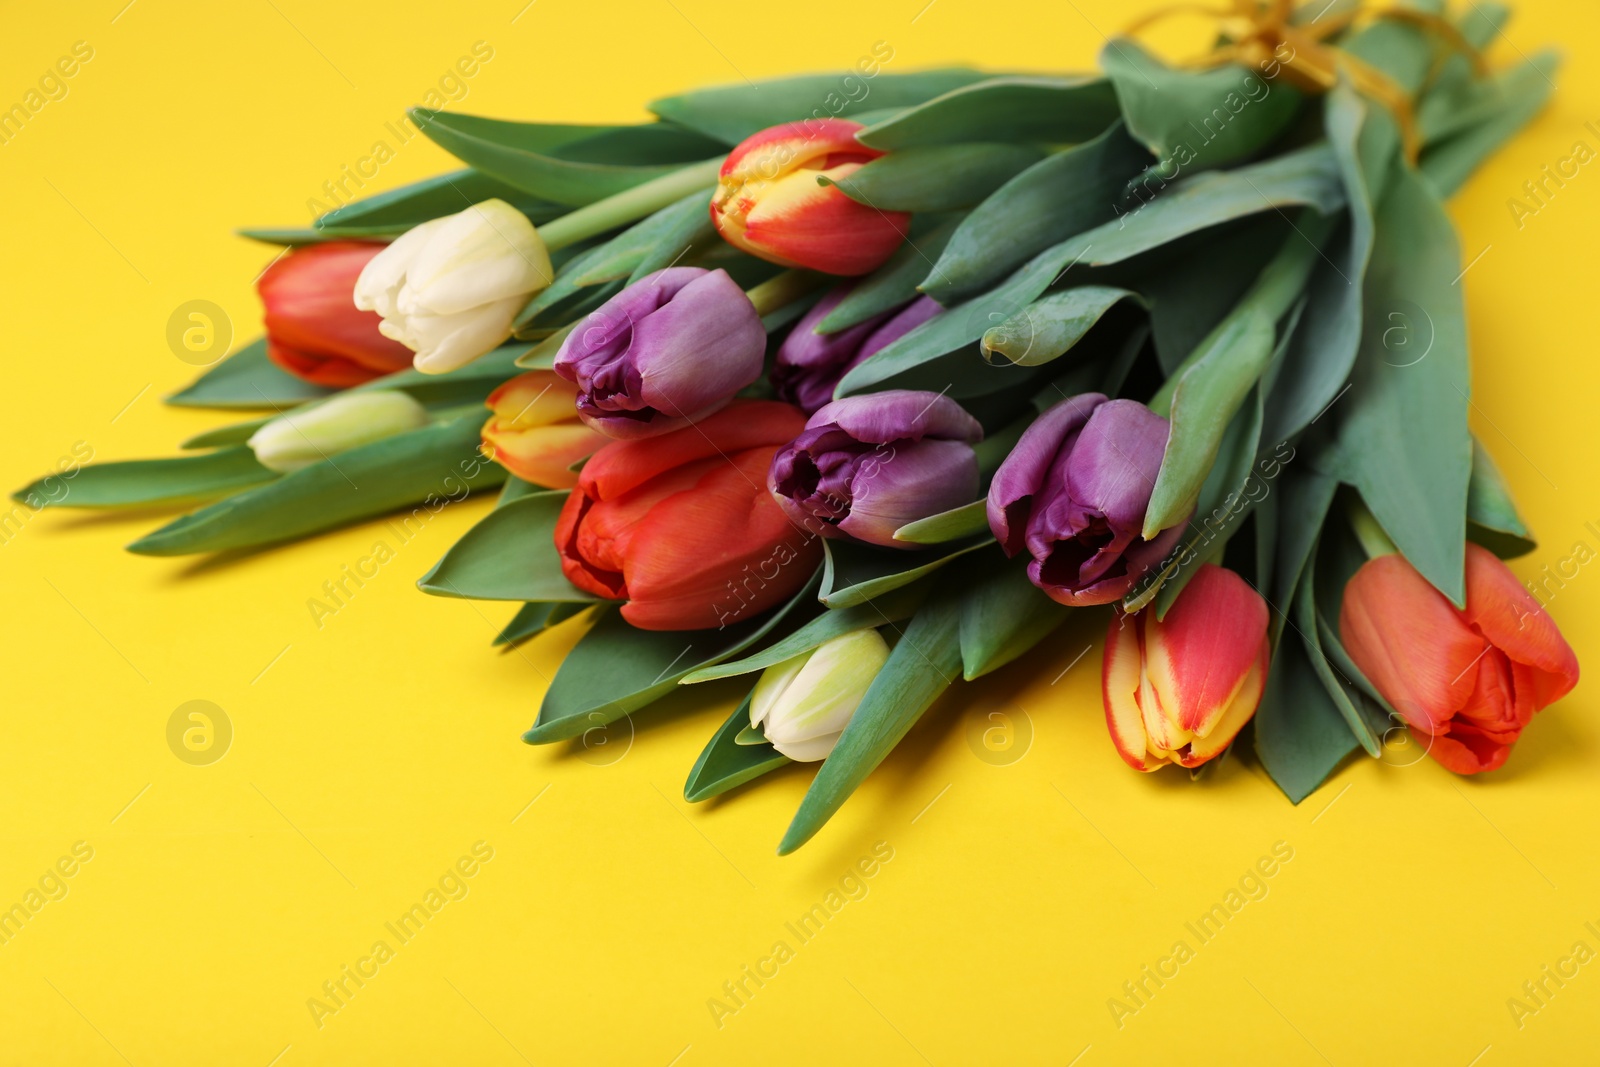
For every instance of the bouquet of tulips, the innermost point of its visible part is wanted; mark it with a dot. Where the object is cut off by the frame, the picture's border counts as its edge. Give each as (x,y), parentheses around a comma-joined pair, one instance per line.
(851,386)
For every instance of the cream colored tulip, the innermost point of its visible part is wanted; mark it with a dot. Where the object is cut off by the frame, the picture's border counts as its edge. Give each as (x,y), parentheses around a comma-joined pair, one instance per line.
(803,704)
(347,421)
(450,288)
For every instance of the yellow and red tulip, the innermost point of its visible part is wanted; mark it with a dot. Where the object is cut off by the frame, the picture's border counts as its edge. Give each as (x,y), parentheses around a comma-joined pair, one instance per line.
(1178,689)
(770,203)
(535,432)
(1466,681)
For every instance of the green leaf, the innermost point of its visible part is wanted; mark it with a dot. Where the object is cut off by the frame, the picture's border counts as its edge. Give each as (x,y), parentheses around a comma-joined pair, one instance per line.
(1225,501)
(891,607)
(1304,497)
(1062,195)
(1524,91)
(957,327)
(247,379)
(430,467)
(535,617)
(398,210)
(936,177)
(1043,110)
(920,667)
(1047,328)
(148,481)
(1190,294)
(615,669)
(1365,142)
(1300,735)
(571,165)
(509,555)
(565,284)
(287,236)
(854,573)
(894,283)
(1003,615)
(236,433)
(730,113)
(1306,177)
(1192,119)
(1408,396)
(470,384)
(1305,613)
(661,237)
(1492,519)
(952,525)
(1207,396)
(1457,97)
(726,762)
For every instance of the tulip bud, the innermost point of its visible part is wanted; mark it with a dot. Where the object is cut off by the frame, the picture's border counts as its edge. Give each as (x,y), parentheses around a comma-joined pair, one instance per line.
(680,526)
(313,330)
(339,424)
(450,288)
(803,704)
(1178,689)
(1073,492)
(673,347)
(535,433)
(867,465)
(1467,681)
(809,365)
(770,203)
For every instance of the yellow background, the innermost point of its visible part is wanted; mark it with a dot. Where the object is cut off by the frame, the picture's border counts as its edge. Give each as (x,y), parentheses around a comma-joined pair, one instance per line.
(370,754)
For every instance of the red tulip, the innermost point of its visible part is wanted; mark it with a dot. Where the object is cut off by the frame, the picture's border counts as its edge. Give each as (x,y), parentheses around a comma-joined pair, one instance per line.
(770,203)
(1466,681)
(535,433)
(1178,689)
(314,330)
(682,527)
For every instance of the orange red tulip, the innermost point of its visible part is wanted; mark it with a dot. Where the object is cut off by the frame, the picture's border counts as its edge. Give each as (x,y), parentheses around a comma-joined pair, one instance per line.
(1467,681)
(314,330)
(681,526)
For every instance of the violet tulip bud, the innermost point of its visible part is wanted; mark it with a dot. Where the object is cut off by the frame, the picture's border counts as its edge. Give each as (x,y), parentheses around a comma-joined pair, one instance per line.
(867,465)
(1073,492)
(809,365)
(674,346)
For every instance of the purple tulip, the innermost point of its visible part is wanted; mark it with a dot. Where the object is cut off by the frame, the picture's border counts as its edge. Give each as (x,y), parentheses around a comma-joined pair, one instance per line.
(809,364)
(866,465)
(1074,492)
(668,349)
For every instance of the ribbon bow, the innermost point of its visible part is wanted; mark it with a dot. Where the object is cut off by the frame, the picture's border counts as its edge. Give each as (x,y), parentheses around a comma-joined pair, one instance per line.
(1252,31)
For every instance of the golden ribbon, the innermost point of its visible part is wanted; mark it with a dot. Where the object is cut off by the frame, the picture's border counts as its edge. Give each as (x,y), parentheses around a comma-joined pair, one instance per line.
(1252,32)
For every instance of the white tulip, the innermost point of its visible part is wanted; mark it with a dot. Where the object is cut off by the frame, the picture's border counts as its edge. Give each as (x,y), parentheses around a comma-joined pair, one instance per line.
(302,438)
(450,288)
(803,704)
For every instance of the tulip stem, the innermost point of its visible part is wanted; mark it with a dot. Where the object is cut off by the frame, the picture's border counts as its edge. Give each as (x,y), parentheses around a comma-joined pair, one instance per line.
(1275,290)
(1374,541)
(630,204)
(782,290)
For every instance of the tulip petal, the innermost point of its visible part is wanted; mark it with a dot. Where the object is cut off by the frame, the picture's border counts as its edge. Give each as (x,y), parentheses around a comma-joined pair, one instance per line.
(486,253)
(542,455)
(621,466)
(1199,655)
(1514,622)
(1409,641)
(918,479)
(378,287)
(1241,708)
(1120,672)
(899,415)
(715,554)
(1023,473)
